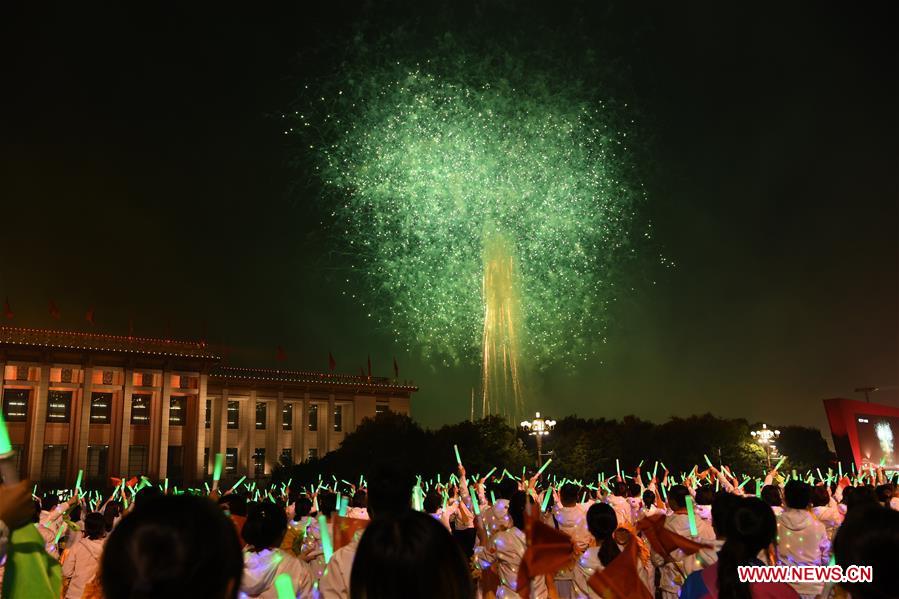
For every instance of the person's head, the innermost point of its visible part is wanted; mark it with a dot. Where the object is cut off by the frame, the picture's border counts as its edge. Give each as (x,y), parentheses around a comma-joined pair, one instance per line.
(677,497)
(236,502)
(619,488)
(75,514)
(49,501)
(568,494)
(649,498)
(602,524)
(517,505)
(360,499)
(112,511)
(327,503)
(94,526)
(705,495)
(302,507)
(408,555)
(633,489)
(819,496)
(722,512)
(177,547)
(855,497)
(432,502)
(147,494)
(389,491)
(771,495)
(884,494)
(869,536)
(797,494)
(265,526)
(506,488)
(750,528)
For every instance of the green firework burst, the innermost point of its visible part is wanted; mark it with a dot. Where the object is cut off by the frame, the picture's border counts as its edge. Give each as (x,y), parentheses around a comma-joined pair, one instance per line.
(425,164)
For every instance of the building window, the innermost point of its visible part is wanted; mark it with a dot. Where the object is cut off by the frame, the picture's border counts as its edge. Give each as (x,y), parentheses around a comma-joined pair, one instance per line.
(287,417)
(146,379)
(100,407)
(177,410)
(175,461)
(54,463)
(313,417)
(259,462)
(65,375)
(137,460)
(59,404)
(96,462)
(381,407)
(140,408)
(107,377)
(313,453)
(21,373)
(208,413)
(260,415)
(338,419)
(233,414)
(15,404)
(206,460)
(231,459)
(287,456)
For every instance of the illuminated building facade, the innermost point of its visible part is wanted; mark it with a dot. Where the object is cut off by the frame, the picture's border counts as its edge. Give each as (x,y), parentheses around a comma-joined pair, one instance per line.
(122,406)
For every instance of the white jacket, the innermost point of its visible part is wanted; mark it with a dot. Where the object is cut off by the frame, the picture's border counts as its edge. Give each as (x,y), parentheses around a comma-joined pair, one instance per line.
(802,541)
(335,582)
(506,549)
(676,567)
(80,565)
(261,568)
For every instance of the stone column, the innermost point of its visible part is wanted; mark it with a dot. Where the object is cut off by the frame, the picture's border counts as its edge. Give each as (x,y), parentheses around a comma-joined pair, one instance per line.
(273,431)
(219,426)
(80,425)
(329,425)
(246,446)
(37,424)
(123,428)
(199,467)
(165,406)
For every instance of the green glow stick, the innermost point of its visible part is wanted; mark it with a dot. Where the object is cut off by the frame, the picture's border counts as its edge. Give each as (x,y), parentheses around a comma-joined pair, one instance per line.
(339,500)
(458,457)
(546,497)
(780,463)
(327,546)
(840,468)
(617,467)
(742,484)
(34,490)
(492,470)
(59,533)
(492,498)
(5,444)
(217,470)
(474,501)
(820,475)
(707,460)
(165,486)
(664,467)
(655,469)
(78,480)
(691,516)
(543,467)
(284,586)
(662,489)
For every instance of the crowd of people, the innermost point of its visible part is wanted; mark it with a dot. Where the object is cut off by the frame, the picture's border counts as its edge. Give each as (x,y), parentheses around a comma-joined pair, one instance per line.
(393,535)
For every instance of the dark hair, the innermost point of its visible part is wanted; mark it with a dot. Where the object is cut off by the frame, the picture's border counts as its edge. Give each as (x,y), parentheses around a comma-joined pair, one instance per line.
(855,497)
(49,501)
(619,488)
(797,494)
(649,498)
(869,536)
(112,511)
(633,489)
(771,495)
(406,556)
(517,505)
(327,503)
(506,488)
(389,491)
(265,526)
(750,528)
(94,525)
(819,496)
(569,493)
(705,495)
(602,523)
(432,502)
(884,493)
(237,503)
(75,514)
(677,496)
(360,499)
(722,512)
(147,494)
(301,507)
(177,547)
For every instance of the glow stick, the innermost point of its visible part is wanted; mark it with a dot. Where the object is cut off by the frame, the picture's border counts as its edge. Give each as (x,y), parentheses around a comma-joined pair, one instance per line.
(492,470)
(546,497)
(474,501)
(820,475)
(165,488)
(458,457)
(664,467)
(543,467)
(691,516)
(640,465)
(492,498)
(840,468)
(744,483)
(617,468)
(339,500)
(327,546)
(655,469)
(59,532)
(707,460)
(217,470)
(78,480)
(7,466)
(780,463)
(284,586)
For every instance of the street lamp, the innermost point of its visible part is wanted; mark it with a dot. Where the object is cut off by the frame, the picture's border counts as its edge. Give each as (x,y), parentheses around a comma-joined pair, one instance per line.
(766,437)
(539,427)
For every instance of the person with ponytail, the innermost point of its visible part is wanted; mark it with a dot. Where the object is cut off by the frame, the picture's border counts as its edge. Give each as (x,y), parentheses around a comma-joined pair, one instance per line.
(602,522)
(749,529)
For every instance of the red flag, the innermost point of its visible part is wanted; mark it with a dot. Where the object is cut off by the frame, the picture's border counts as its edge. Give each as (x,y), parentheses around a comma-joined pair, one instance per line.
(332,364)
(369,366)
(396,369)
(345,528)
(7,310)
(621,579)
(54,311)
(549,550)
(281,355)
(664,541)
(89,315)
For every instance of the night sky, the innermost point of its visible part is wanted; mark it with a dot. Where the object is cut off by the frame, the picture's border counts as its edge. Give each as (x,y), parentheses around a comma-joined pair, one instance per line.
(143,172)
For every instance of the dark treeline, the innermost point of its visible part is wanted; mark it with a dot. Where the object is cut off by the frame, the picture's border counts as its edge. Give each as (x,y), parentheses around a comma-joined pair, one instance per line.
(580,447)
